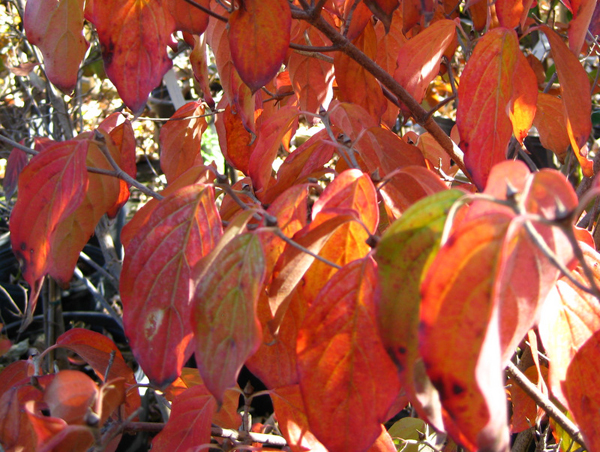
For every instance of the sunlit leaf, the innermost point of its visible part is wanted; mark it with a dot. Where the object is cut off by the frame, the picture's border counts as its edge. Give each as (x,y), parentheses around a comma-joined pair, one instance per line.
(56,27)
(259,35)
(157,276)
(486,86)
(226,328)
(524,98)
(346,377)
(181,139)
(134,36)
(51,187)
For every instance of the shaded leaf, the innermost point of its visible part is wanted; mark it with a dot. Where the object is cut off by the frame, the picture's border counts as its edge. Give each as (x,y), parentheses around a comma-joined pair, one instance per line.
(17,160)
(486,86)
(383,10)
(187,17)
(134,36)
(575,94)
(259,35)
(525,413)
(69,396)
(347,380)
(15,429)
(551,122)
(357,85)
(157,276)
(578,26)
(181,140)
(56,27)
(224,322)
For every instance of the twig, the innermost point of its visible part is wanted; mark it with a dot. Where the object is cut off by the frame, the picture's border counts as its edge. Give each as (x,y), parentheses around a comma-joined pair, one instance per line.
(98,296)
(543,402)
(313,48)
(206,10)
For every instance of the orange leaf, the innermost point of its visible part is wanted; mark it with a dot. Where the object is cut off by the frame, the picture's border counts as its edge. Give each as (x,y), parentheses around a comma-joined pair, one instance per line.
(16,430)
(69,396)
(56,27)
(383,10)
(236,142)
(582,391)
(312,78)
(292,420)
(157,275)
(524,98)
(188,17)
(487,86)
(525,413)
(270,135)
(134,36)
(181,140)
(551,122)
(51,187)
(509,12)
(226,328)
(570,319)
(190,422)
(419,58)
(347,380)
(357,85)
(259,35)
(458,308)
(95,349)
(575,94)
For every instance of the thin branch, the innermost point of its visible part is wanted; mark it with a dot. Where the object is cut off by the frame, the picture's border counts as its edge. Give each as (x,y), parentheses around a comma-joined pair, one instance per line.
(316,55)
(418,112)
(98,296)
(296,245)
(313,48)
(543,402)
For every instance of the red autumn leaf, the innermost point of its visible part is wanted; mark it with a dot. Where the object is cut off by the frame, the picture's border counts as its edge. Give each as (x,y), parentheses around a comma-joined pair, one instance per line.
(306,161)
(388,47)
(96,349)
(404,255)
(236,92)
(569,320)
(17,160)
(352,189)
(347,380)
(525,413)
(524,98)
(15,429)
(199,64)
(487,86)
(509,12)
(582,391)
(111,396)
(183,228)
(181,140)
(420,57)
(551,122)
(224,322)
(312,78)
(51,187)
(56,27)
(105,194)
(195,175)
(583,11)
(575,94)
(351,118)
(270,135)
(70,395)
(355,83)
(237,144)
(292,420)
(259,35)
(384,442)
(383,10)
(437,157)
(187,17)
(457,308)
(190,421)
(134,37)
(406,186)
